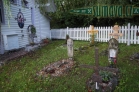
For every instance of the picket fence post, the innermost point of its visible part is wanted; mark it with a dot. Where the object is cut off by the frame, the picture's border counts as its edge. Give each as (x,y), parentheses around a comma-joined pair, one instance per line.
(67,31)
(128,29)
(50,34)
(135,37)
(138,36)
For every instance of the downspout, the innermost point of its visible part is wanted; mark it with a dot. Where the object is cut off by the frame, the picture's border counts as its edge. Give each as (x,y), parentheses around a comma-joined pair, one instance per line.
(1,41)
(40,28)
(0,38)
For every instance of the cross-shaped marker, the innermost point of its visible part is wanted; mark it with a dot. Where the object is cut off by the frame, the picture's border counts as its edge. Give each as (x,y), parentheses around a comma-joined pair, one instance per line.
(92,31)
(115,33)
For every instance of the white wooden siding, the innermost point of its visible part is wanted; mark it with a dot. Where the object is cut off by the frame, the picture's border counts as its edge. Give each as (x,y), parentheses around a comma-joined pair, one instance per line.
(41,23)
(23,41)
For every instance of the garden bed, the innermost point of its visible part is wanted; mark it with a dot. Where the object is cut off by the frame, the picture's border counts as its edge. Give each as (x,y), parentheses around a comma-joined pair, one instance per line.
(57,68)
(106,81)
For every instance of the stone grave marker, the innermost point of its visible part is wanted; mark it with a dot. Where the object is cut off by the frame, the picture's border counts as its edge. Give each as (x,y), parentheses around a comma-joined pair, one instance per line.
(70,48)
(112,52)
(113,46)
(92,32)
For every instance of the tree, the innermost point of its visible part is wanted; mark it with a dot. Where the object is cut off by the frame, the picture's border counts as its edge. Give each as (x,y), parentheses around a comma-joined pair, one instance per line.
(63,18)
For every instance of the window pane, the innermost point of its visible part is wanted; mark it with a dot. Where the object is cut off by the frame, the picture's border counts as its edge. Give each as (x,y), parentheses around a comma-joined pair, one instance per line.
(0,15)
(24,3)
(13,1)
(1,12)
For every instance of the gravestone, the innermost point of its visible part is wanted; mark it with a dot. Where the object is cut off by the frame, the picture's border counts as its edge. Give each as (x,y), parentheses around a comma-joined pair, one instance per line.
(112,52)
(70,48)
(113,46)
(92,32)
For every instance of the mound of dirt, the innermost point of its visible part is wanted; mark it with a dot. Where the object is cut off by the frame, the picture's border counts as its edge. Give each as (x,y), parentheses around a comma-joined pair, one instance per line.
(57,68)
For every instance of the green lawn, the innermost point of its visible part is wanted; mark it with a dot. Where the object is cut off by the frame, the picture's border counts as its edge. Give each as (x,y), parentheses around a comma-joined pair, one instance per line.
(20,75)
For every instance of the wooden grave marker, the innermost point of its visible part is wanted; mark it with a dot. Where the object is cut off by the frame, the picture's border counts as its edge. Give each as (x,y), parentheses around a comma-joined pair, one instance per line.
(116,33)
(92,32)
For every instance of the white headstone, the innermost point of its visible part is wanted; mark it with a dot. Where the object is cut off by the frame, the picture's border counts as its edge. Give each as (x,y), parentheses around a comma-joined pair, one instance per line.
(112,52)
(70,48)
(113,47)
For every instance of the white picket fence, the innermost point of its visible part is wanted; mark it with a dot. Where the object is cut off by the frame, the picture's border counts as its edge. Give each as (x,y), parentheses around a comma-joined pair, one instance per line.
(129,34)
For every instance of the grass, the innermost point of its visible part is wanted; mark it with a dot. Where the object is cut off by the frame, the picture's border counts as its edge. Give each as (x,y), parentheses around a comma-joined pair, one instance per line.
(20,74)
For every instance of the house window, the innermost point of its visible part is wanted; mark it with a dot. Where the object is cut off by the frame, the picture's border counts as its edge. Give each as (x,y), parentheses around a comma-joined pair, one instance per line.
(24,3)
(1,12)
(13,1)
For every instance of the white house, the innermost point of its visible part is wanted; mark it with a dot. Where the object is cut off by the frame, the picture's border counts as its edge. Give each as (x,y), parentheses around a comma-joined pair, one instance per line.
(16,35)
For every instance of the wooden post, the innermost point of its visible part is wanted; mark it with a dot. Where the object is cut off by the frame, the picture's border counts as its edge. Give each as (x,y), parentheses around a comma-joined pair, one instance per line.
(128,28)
(98,78)
(77,33)
(92,31)
(67,31)
(80,33)
(138,36)
(85,34)
(96,61)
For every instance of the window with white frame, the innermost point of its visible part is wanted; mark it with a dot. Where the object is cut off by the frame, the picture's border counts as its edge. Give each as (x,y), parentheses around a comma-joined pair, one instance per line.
(24,3)
(1,12)
(13,1)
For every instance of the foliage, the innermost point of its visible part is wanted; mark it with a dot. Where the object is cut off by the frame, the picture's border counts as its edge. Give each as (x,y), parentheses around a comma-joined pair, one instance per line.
(32,34)
(41,4)
(7,6)
(63,18)
(66,19)
(20,74)
(33,29)
(106,76)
